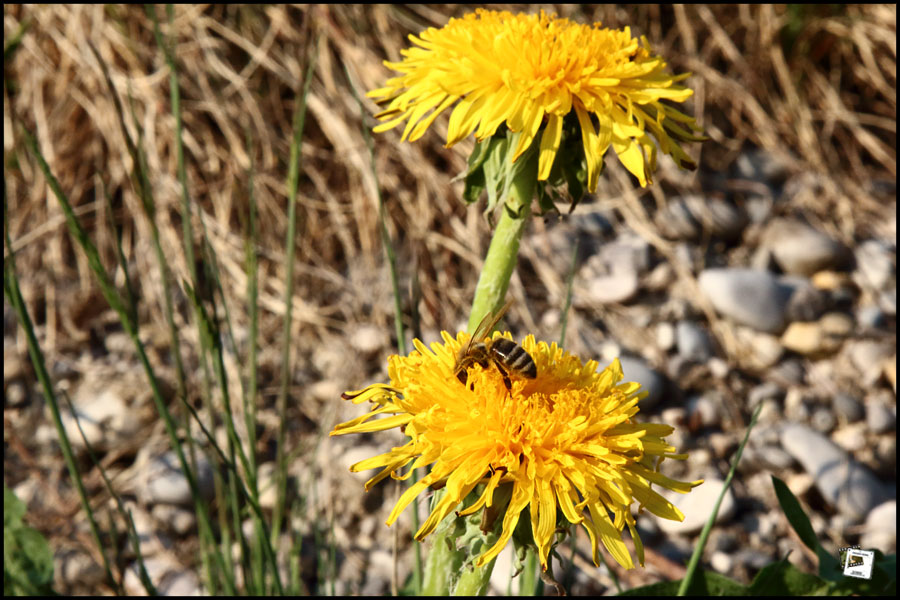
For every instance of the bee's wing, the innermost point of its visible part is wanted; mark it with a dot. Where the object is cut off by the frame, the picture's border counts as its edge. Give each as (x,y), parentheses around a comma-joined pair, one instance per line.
(487,323)
(482,331)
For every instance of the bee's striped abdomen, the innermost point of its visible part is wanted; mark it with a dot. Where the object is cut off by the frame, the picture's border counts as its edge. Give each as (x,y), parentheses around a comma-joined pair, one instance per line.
(514,358)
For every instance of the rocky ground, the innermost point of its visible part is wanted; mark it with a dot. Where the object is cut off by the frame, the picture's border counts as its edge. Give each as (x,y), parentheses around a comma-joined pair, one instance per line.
(769,276)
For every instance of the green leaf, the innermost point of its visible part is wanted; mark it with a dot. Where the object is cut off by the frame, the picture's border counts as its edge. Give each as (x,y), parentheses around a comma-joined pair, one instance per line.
(27,558)
(795,514)
(475,182)
(13,509)
(705,583)
(784,579)
(829,565)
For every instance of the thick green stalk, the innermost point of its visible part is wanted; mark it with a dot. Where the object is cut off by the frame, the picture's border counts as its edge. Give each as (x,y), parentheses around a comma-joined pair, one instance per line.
(504,249)
(444,571)
(443,563)
(474,582)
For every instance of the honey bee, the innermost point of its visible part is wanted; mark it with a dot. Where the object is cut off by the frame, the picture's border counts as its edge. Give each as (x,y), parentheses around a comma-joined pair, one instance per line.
(506,355)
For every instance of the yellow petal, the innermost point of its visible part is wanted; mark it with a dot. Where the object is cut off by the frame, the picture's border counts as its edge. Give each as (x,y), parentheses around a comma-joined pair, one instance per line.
(549,145)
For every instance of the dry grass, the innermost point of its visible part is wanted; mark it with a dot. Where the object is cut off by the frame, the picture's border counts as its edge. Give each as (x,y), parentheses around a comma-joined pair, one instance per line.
(816,88)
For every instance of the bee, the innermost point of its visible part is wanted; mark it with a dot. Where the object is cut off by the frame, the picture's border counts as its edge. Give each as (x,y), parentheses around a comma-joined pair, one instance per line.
(506,355)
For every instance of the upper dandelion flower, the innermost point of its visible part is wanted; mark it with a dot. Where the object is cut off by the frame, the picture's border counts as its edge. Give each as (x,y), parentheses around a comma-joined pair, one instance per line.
(565,440)
(532,70)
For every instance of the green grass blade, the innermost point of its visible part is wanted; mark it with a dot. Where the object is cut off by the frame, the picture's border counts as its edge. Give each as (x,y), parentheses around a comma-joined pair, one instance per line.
(12,292)
(829,566)
(130,294)
(141,180)
(250,389)
(12,44)
(299,121)
(126,514)
(569,279)
(704,535)
(131,329)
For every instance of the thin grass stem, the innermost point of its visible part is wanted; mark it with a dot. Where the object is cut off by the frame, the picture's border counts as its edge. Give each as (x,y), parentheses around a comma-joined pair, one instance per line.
(126,514)
(292,184)
(131,328)
(14,295)
(704,535)
(569,279)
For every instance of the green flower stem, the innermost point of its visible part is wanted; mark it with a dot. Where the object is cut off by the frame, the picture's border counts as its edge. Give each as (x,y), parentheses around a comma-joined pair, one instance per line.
(443,563)
(475,582)
(446,570)
(504,249)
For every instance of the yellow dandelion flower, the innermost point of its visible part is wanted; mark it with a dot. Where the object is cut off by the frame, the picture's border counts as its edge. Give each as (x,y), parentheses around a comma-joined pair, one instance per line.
(532,70)
(564,441)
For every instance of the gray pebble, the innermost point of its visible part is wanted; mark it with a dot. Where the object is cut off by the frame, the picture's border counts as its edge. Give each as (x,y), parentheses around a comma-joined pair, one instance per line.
(875,264)
(104,411)
(758,164)
(718,368)
(706,408)
(651,380)
(887,301)
(721,562)
(881,528)
(690,217)
(752,298)
(164,481)
(771,412)
(847,407)
(774,458)
(758,208)
(179,520)
(806,303)
(789,372)
(797,405)
(665,336)
(800,249)
(867,356)
(368,338)
(168,578)
(881,417)
(693,342)
(846,484)
(618,286)
(764,391)
(766,349)
(871,317)
(752,558)
(823,420)
(697,506)
(629,252)
(15,393)
(78,567)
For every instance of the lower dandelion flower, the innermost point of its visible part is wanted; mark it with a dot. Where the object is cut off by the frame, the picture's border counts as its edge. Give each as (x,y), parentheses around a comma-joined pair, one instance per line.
(562,443)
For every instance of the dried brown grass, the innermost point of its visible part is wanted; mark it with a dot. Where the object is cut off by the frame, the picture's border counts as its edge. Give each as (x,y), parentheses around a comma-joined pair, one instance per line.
(828,107)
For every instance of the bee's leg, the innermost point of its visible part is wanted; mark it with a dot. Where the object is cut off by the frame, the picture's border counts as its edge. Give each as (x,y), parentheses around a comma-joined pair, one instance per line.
(505,375)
